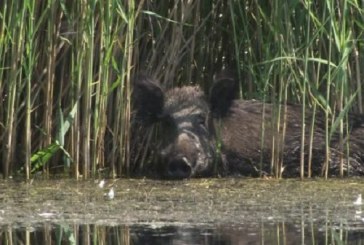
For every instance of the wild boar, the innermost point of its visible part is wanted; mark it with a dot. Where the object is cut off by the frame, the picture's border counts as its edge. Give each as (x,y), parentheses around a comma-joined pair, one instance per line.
(203,135)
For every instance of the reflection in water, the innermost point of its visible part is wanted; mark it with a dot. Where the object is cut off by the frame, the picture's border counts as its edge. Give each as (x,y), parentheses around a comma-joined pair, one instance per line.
(220,211)
(278,233)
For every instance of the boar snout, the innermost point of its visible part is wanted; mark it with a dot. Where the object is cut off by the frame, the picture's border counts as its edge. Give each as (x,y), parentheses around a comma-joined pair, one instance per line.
(179,168)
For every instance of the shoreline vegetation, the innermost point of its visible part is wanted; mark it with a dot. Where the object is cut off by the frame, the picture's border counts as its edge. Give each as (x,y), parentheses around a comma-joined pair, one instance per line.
(66,69)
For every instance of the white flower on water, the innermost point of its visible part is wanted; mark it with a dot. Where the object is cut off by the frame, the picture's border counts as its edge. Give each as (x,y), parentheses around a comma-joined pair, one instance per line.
(111,193)
(358,200)
(102,183)
(46,215)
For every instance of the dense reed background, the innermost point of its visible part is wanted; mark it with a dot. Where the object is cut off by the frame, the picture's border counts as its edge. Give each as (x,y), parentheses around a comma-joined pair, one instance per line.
(66,68)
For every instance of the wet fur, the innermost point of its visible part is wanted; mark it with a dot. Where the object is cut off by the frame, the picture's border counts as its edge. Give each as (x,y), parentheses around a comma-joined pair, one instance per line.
(192,126)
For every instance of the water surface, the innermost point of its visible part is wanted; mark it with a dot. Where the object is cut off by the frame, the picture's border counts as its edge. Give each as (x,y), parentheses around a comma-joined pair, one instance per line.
(198,211)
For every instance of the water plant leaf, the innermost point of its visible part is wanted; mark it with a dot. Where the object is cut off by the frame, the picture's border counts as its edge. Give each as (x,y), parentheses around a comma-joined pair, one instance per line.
(164,18)
(64,125)
(342,113)
(41,157)
(122,14)
(319,99)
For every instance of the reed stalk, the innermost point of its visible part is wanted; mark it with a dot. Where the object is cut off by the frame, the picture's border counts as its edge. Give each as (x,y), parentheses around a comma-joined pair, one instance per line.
(16,22)
(303,117)
(328,91)
(30,59)
(72,62)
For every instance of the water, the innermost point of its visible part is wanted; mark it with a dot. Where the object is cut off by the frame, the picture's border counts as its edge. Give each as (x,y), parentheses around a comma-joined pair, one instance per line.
(199,211)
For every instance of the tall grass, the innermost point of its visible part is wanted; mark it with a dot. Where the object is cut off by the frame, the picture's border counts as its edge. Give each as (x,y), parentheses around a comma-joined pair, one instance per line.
(310,47)
(66,68)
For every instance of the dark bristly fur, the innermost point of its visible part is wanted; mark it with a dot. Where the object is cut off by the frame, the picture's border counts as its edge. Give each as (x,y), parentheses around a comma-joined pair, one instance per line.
(193,130)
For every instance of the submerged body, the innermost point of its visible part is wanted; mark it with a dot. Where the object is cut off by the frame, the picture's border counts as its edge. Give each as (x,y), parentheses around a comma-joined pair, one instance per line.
(202,135)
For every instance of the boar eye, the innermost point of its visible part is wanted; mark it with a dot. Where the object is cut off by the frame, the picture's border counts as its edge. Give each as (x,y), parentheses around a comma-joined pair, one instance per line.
(201,119)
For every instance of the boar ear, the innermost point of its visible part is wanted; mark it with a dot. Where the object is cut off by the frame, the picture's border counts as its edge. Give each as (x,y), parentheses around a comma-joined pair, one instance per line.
(223,92)
(148,99)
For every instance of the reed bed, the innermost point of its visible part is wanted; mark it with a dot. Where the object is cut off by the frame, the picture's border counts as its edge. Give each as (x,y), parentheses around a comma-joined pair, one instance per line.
(66,69)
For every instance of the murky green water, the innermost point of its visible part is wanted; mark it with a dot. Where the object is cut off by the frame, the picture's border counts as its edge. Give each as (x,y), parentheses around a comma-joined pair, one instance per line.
(201,211)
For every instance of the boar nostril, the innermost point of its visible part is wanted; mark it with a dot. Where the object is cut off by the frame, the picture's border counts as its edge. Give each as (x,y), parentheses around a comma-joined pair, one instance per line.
(179,168)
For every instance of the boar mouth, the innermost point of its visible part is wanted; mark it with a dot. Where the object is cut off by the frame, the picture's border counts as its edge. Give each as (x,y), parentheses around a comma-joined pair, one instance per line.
(179,168)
